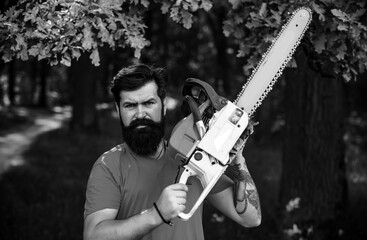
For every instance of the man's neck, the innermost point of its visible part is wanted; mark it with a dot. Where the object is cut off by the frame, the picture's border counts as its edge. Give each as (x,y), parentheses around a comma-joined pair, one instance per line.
(159,152)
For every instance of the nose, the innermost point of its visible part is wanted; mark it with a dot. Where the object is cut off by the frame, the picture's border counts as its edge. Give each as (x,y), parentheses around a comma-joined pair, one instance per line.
(140,112)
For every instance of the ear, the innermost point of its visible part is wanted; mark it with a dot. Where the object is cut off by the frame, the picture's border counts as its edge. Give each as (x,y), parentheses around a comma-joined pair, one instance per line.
(164,106)
(117,108)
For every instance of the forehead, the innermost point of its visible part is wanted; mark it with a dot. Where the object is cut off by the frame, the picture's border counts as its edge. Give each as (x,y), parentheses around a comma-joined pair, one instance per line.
(147,91)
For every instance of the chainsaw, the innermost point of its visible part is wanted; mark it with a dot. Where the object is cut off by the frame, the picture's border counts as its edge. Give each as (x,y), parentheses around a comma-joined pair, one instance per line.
(203,140)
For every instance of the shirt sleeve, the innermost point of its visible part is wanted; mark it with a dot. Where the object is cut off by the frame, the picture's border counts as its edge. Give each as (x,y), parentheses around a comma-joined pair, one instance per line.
(103,189)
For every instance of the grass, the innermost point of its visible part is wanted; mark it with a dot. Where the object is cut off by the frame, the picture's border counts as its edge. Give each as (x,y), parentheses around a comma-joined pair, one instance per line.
(44,199)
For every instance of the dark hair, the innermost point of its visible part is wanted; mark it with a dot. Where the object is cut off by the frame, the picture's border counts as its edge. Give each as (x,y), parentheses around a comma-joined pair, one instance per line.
(134,77)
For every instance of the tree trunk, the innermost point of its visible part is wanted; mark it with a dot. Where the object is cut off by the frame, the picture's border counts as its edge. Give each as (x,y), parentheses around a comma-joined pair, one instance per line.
(11,82)
(83,77)
(215,20)
(42,98)
(313,161)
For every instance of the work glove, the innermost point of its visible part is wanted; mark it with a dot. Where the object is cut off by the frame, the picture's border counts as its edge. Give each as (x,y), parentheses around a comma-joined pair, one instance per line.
(237,170)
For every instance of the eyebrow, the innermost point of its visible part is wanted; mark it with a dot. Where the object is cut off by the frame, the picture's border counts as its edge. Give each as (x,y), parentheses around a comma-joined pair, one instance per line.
(134,102)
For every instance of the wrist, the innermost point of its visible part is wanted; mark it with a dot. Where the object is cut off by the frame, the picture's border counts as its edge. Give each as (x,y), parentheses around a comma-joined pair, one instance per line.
(237,170)
(152,217)
(163,219)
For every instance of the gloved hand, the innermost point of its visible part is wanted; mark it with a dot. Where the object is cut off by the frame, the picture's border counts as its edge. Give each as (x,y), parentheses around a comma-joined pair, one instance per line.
(237,170)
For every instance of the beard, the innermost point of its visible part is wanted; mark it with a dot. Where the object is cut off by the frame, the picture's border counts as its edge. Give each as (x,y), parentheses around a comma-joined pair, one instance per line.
(143,136)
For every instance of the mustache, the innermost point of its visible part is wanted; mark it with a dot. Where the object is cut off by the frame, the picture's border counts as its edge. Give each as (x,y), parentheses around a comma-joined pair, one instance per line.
(142,122)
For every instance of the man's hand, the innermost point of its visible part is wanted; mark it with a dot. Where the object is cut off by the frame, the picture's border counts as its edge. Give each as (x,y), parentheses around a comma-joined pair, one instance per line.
(241,142)
(172,201)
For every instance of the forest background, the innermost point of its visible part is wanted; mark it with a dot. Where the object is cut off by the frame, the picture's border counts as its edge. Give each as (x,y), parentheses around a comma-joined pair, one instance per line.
(307,156)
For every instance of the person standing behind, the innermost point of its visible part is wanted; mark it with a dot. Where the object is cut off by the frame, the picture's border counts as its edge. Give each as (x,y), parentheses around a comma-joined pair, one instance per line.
(131,192)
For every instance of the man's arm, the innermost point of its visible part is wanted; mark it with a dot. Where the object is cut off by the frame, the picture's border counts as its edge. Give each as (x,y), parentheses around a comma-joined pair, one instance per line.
(240,203)
(102,224)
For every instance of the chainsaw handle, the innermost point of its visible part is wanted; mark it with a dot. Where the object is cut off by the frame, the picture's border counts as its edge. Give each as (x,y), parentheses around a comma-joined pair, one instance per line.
(217,101)
(207,173)
(194,108)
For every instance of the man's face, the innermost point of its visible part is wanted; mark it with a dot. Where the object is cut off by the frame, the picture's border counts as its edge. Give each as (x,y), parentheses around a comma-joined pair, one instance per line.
(142,113)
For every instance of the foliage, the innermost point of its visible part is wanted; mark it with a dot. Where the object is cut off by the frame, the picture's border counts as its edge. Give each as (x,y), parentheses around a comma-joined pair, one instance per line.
(62,30)
(336,34)
(74,27)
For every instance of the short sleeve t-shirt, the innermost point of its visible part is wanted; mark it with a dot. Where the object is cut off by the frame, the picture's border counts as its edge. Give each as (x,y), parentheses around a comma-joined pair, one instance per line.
(130,183)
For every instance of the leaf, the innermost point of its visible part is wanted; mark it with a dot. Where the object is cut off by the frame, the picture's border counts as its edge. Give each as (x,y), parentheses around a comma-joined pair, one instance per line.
(340,14)
(75,53)
(342,27)
(174,14)
(206,5)
(235,3)
(319,10)
(276,15)
(186,19)
(23,54)
(31,14)
(12,13)
(7,56)
(253,24)
(347,77)
(165,7)
(112,26)
(145,3)
(104,34)
(87,39)
(34,50)
(262,11)
(20,42)
(359,13)
(95,57)
(227,28)
(53,62)
(342,50)
(239,33)
(137,52)
(320,43)
(292,63)
(66,60)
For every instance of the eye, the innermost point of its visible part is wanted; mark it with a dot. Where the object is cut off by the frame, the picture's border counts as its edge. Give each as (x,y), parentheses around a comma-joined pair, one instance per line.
(149,103)
(129,105)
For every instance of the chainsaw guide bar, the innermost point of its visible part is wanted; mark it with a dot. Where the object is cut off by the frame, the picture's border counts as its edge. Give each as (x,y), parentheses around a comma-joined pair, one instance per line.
(273,62)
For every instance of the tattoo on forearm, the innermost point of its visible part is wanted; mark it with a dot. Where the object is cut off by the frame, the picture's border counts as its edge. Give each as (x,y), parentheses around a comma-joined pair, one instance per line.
(245,192)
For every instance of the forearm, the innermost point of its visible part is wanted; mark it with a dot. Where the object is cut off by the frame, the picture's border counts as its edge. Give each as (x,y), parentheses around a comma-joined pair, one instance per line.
(132,228)
(245,196)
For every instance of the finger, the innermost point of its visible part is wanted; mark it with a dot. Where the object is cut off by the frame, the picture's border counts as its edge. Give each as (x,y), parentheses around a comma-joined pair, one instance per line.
(179,187)
(181,194)
(181,201)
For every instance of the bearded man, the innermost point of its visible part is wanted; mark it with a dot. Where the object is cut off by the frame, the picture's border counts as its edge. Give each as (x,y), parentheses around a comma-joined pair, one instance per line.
(131,192)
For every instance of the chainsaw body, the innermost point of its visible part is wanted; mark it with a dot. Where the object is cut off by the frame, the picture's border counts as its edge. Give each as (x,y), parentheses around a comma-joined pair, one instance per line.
(202,141)
(206,156)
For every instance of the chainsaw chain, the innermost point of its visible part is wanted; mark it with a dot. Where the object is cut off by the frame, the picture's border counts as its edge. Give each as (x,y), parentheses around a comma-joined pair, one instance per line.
(280,71)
